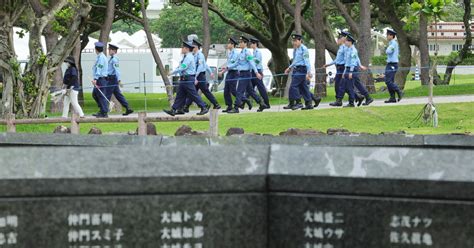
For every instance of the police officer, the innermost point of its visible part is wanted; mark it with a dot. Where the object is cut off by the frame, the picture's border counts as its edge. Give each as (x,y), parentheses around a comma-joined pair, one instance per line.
(187,87)
(301,72)
(245,64)
(230,87)
(262,90)
(114,80)
(339,62)
(99,72)
(392,67)
(201,80)
(351,71)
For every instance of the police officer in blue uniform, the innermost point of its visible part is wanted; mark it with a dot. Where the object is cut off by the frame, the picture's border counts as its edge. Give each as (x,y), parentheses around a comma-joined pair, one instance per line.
(351,71)
(339,62)
(232,77)
(301,73)
(245,65)
(202,84)
(114,80)
(100,72)
(262,90)
(187,88)
(392,67)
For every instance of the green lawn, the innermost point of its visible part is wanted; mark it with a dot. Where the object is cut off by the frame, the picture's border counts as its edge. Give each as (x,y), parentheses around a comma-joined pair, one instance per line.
(453,118)
(464,85)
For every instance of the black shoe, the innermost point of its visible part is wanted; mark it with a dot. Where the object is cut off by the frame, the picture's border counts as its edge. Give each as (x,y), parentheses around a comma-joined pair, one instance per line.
(359,101)
(217,106)
(227,109)
(129,111)
(249,103)
(400,95)
(180,112)
(391,100)
(262,107)
(349,105)
(317,101)
(297,106)
(186,109)
(233,111)
(368,101)
(96,114)
(308,107)
(204,111)
(102,115)
(171,112)
(337,103)
(289,106)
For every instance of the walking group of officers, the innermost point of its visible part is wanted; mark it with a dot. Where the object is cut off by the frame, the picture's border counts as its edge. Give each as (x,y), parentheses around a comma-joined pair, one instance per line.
(244,73)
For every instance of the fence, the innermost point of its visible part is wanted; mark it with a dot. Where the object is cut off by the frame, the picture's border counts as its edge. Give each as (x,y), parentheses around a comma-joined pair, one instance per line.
(142,119)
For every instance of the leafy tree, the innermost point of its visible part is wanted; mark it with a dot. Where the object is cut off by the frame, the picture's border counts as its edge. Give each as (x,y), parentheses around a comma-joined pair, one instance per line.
(177,22)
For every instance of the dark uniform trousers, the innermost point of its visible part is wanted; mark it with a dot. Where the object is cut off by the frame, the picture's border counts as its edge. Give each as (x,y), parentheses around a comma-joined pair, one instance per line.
(187,89)
(359,85)
(299,85)
(260,87)
(100,98)
(390,71)
(242,87)
(114,89)
(204,87)
(349,83)
(230,87)
(339,85)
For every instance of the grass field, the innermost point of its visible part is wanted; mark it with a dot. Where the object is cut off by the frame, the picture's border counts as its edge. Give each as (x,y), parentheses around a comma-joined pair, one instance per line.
(454,118)
(464,85)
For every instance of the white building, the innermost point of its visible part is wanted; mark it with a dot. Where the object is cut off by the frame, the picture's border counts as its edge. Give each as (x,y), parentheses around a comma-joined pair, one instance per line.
(154,8)
(450,37)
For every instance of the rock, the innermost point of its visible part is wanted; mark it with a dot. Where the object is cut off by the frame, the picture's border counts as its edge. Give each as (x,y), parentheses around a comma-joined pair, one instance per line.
(62,129)
(301,132)
(150,130)
(185,130)
(95,130)
(338,131)
(235,131)
(401,132)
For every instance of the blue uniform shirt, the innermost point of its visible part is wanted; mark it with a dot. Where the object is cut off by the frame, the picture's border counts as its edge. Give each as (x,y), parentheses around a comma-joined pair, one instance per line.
(246,62)
(392,52)
(257,55)
(232,60)
(114,69)
(352,58)
(301,58)
(201,65)
(100,67)
(340,57)
(187,66)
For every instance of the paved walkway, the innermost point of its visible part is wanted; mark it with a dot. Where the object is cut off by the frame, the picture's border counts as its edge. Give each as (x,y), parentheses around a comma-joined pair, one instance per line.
(376,103)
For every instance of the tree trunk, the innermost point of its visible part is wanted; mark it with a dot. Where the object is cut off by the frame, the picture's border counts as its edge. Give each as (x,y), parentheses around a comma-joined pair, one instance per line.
(424,51)
(7,57)
(107,25)
(280,62)
(156,56)
(297,15)
(466,47)
(51,39)
(364,44)
(206,43)
(320,50)
(405,60)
